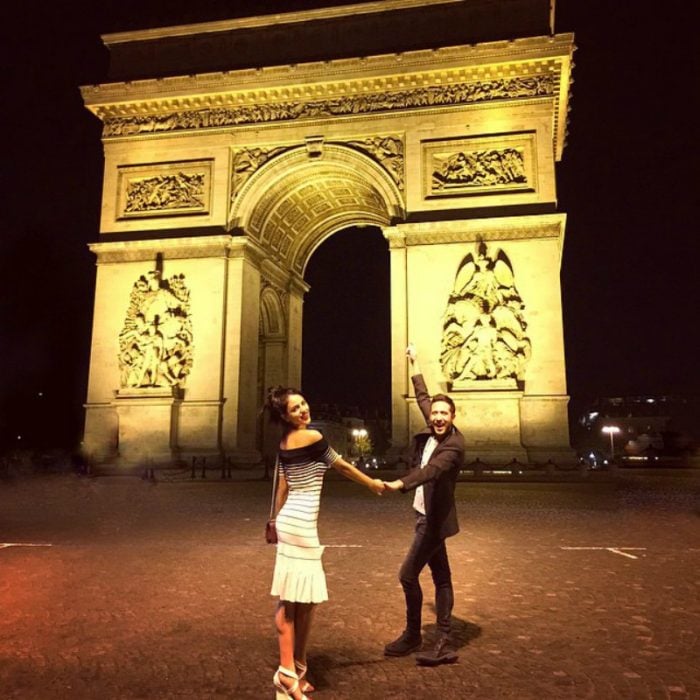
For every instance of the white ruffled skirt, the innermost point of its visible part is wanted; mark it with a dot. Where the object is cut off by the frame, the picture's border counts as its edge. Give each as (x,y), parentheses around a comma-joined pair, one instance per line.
(299,575)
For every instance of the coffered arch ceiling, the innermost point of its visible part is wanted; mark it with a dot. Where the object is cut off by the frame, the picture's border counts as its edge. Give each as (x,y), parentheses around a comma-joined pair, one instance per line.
(297,199)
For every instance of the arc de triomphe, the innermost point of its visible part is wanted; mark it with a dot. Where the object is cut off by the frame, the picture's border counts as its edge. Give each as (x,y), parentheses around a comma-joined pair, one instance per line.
(234,148)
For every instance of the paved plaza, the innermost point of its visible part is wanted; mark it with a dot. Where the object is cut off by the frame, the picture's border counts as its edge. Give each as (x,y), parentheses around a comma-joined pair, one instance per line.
(114,587)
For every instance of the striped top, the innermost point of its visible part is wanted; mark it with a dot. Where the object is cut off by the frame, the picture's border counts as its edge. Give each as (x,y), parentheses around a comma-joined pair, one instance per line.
(304,467)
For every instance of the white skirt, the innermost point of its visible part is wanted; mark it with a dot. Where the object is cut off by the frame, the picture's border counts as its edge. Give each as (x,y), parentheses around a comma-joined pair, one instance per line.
(299,575)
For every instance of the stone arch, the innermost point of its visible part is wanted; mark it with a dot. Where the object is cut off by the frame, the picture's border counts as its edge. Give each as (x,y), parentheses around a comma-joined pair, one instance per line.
(272,316)
(300,197)
(272,360)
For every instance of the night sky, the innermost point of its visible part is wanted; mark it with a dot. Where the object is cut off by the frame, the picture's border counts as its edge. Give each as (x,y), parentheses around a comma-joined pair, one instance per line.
(627,183)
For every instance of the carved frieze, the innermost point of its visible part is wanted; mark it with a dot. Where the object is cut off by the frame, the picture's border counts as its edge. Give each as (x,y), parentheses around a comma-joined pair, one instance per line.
(484,337)
(164,189)
(479,165)
(348,105)
(155,344)
(494,167)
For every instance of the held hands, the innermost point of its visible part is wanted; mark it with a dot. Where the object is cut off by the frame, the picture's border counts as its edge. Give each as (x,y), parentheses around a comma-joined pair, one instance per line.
(377,487)
(393,486)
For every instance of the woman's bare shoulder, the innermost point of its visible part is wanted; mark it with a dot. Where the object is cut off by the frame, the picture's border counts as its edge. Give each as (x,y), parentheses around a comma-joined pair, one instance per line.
(309,437)
(302,438)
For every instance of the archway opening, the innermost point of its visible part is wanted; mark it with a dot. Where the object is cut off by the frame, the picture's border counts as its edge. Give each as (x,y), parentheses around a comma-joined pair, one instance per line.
(346,358)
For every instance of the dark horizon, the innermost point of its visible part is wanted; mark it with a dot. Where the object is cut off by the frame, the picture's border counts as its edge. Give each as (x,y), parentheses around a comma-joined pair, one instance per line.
(624,182)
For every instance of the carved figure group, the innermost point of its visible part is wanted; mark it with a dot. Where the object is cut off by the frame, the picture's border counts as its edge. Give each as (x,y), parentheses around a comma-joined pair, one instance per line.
(155,345)
(171,191)
(480,168)
(484,329)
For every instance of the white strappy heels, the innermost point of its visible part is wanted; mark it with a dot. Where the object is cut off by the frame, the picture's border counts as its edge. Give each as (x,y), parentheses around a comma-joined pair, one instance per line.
(282,690)
(301,670)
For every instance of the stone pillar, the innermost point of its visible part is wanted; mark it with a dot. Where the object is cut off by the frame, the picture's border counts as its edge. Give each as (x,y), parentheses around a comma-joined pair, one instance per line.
(492,425)
(499,279)
(240,409)
(101,434)
(400,381)
(185,420)
(297,289)
(148,425)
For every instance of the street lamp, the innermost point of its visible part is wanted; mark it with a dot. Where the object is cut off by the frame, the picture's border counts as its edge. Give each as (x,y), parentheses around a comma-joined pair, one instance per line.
(359,434)
(611,430)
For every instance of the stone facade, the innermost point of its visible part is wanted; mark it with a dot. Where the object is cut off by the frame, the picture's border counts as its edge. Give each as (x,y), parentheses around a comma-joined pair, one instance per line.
(228,181)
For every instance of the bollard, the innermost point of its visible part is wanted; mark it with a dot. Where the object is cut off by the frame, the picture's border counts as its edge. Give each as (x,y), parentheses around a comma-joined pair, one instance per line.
(514,467)
(478,467)
(196,461)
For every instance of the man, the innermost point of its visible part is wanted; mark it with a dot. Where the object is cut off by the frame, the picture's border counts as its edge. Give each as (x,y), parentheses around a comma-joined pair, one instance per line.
(437,456)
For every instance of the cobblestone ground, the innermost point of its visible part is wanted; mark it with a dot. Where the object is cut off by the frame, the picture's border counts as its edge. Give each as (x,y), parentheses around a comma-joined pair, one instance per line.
(143,590)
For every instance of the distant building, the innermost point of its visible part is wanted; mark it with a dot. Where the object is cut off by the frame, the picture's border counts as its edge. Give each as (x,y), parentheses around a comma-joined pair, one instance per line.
(644,427)
(339,424)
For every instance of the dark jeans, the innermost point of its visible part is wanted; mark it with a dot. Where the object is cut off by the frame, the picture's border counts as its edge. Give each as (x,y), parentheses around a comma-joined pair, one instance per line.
(427,549)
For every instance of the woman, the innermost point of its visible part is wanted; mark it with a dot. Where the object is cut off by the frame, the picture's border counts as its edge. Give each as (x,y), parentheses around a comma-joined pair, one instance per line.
(299,580)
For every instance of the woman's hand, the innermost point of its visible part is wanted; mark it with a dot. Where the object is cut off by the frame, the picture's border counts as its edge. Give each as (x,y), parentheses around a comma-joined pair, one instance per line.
(396,485)
(377,487)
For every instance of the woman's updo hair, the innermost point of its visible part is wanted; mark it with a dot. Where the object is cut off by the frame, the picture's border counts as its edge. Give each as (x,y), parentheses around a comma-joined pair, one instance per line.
(276,402)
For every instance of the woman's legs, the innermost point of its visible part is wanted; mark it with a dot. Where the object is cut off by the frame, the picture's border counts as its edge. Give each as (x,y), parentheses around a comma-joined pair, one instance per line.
(303,615)
(284,621)
(287,634)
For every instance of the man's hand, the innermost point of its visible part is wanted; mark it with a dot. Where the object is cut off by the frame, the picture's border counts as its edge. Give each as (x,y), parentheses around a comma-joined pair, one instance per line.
(394,486)
(377,487)
(412,356)
(411,353)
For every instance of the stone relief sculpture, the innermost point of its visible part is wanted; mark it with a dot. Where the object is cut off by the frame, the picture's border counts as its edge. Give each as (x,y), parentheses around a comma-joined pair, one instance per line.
(247,160)
(486,168)
(484,328)
(155,344)
(166,192)
(433,96)
(388,152)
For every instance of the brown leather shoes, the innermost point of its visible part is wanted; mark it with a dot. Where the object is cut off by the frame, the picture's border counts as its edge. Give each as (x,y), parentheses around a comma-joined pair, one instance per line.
(442,653)
(407,643)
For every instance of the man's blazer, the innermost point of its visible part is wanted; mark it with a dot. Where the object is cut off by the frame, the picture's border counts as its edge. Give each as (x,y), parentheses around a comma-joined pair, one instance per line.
(439,475)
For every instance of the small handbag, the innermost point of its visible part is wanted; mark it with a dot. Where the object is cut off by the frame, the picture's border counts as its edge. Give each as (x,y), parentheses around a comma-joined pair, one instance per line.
(270,527)
(270,532)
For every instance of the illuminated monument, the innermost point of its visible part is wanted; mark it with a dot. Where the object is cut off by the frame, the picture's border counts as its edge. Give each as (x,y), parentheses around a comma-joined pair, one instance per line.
(234,148)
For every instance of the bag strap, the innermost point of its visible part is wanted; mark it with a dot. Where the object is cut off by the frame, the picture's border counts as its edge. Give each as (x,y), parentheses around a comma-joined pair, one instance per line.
(274,486)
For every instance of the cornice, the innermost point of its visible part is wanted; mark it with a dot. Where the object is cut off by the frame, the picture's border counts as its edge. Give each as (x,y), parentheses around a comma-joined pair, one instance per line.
(222,246)
(315,79)
(325,13)
(471,230)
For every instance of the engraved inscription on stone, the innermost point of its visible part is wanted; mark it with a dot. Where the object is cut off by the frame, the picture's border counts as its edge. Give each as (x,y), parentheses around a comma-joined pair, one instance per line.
(155,344)
(164,190)
(484,339)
